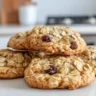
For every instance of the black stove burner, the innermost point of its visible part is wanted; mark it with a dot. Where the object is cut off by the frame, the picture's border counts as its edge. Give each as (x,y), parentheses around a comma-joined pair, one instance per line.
(51,20)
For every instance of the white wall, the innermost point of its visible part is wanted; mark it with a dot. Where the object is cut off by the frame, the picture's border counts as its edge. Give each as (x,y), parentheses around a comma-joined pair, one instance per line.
(65,7)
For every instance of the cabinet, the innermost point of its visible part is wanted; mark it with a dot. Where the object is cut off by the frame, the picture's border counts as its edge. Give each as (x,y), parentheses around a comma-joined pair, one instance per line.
(9,11)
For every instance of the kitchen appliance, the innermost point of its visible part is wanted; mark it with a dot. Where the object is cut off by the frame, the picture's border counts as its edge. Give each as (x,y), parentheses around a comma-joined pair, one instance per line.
(70,20)
(90,39)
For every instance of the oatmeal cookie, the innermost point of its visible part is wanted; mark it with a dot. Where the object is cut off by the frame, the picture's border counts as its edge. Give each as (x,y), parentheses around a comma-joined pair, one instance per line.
(90,56)
(55,40)
(59,72)
(90,53)
(18,41)
(13,63)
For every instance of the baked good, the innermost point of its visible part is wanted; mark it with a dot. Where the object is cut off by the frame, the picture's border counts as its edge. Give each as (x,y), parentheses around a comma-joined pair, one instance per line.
(55,40)
(59,72)
(18,41)
(90,56)
(90,53)
(13,63)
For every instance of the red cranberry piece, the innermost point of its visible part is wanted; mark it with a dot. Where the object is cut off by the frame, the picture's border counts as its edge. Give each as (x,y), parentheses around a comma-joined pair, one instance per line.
(52,70)
(46,38)
(74,45)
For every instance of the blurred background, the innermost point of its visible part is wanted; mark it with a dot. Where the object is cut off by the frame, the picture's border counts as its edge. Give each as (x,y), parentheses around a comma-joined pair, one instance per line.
(22,15)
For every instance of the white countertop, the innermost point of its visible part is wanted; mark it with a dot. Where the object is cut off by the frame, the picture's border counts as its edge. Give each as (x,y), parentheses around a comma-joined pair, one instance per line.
(12,29)
(18,87)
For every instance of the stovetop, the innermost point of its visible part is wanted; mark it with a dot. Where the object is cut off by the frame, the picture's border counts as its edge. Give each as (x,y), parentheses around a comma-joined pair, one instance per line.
(69,20)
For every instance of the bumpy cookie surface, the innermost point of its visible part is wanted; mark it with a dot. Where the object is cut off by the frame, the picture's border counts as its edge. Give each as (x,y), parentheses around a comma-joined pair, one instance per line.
(59,72)
(55,40)
(12,64)
(18,41)
(90,53)
(90,56)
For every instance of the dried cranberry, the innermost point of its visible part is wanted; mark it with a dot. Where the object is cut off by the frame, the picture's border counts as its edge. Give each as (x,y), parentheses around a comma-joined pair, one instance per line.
(52,70)
(46,38)
(74,45)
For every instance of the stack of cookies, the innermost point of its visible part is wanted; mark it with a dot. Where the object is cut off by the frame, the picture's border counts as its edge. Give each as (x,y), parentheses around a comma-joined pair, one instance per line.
(48,58)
